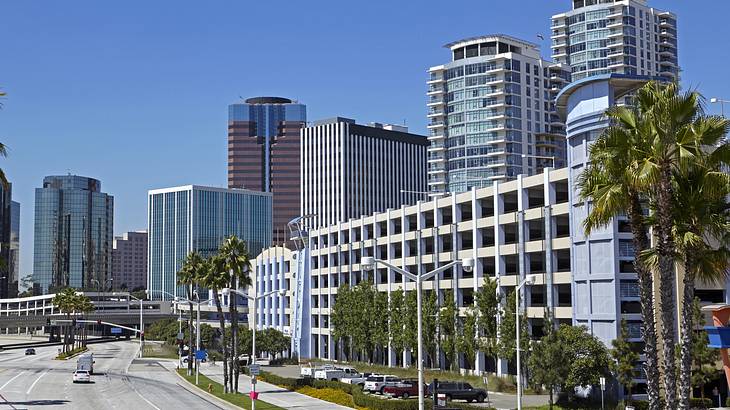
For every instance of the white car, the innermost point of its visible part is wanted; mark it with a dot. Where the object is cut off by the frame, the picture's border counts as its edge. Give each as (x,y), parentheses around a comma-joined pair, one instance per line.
(376,384)
(82,376)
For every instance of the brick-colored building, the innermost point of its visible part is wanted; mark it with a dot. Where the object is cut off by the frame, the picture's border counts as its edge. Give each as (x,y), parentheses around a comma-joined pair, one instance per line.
(129,261)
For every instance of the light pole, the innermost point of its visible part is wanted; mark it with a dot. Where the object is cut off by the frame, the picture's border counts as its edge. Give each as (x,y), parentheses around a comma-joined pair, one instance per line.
(254,299)
(368,263)
(141,322)
(721,102)
(529,280)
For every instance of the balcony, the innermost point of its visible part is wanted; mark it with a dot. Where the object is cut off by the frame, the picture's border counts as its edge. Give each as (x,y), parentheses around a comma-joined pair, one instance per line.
(616,64)
(435,124)
(434,100)
(435,90)
(435,113)
(558,24)
(614,23)
(665,23)
(618,12)
(667,33)
(616,34)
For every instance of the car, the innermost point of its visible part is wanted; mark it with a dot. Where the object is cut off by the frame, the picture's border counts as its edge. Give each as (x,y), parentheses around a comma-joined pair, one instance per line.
(376,384)
(460,391)
(404,389)
(185,360)
(335,374)
(82,376)
(29,351)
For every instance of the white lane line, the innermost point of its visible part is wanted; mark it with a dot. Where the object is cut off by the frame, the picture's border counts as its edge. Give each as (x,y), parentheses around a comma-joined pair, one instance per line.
(16,376)
(129,382)
(36,381)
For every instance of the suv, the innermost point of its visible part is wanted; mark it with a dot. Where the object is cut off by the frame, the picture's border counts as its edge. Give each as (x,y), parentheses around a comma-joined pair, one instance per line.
(376,384)
(404,389)
(460,391)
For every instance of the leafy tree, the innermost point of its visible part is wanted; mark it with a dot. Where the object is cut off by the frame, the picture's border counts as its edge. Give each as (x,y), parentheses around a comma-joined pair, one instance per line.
(410,333)
(447,321)
(549,362)
(380,321)
(487,311)
(429,327)
(704,358)
(208,336)
(468,343)
(341,314)
(507,331)
(397,319)
(624,359)
(589,358)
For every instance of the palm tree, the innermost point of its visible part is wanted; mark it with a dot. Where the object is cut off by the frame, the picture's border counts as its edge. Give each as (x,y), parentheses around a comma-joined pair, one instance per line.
(65,301)
(83,305)
(609,182)
(189,275)
(215,278)
(234,256)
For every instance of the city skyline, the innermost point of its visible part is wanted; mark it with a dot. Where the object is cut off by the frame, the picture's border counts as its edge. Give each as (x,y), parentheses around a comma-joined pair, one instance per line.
(152,118)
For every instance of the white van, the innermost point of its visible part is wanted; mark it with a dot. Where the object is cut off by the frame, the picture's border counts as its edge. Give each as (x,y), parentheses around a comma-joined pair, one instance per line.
(86,362)
(335,374)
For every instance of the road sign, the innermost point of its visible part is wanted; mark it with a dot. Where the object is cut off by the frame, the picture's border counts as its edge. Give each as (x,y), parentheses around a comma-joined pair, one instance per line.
(116,330)
(603,383)
(255,369)
(180,336)
(200,355)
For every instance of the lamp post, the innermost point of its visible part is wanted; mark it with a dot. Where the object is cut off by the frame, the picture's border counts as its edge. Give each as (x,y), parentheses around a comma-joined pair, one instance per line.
(141,322)
(254,299)
(529,280)
(368,263)
(721,102)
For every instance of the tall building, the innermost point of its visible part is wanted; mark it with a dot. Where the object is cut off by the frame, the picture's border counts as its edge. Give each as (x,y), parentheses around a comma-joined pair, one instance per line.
(263,153)
(129,261)
(14,257)
(197,218)
(74,229)
(350,170)
(6,269)
(491,115)
(616,36)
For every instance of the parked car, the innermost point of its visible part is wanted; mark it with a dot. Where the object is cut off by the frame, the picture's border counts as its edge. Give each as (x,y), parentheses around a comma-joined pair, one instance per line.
(29,351)
(460,391)
(357,379)
(308,371)
(376,384)
(404,389)
(334,374)
(82,376)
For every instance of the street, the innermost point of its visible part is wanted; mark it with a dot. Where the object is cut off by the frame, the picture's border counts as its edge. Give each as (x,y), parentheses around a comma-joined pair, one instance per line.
(119,381)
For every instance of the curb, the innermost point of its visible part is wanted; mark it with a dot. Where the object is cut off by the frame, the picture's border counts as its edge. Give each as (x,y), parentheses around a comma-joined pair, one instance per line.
(202,393)
(73,355)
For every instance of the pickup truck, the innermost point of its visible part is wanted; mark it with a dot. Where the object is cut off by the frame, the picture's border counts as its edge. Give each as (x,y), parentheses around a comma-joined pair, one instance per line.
(308,371)
(460,391)
(334,374)
(404,389)
(357,379)
(376,384)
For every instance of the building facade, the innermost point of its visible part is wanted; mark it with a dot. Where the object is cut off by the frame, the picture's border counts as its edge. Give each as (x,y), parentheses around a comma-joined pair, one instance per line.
(129,261)
(14,257)
(7,278)
(74,230)
(491,113)
(263,153)
(197,218)
(616,36)
(350,170)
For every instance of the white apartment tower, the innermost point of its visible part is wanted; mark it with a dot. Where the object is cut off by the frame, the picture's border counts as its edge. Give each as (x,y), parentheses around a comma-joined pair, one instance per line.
(616,36)
(491,113)
(350,170)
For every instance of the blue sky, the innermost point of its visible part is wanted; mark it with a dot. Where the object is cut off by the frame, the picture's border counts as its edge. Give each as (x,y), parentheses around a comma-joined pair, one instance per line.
(135,93)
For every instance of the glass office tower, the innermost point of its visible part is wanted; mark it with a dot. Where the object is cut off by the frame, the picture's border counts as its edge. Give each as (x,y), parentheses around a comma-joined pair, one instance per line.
(74,224)
(197,218)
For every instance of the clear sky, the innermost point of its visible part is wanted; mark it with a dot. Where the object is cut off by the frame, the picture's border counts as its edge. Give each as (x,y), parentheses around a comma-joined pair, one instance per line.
(135,93)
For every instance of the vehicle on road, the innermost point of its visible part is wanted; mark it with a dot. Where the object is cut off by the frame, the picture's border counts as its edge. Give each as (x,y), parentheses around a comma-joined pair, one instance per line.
(376,384)
(82,376)
(460,391)
(404,389)
(357,379)
(29,351)
(334,374)
(308,371)
(185,360)
(86,362)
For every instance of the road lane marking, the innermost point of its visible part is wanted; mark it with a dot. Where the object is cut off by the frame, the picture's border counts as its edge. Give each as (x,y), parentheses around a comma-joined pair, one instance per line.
(8,382)
(36,381)
(129,382)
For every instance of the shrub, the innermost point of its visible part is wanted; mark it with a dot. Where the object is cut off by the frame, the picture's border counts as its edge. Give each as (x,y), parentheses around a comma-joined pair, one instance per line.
(636,404)
(328,394)
(700,403)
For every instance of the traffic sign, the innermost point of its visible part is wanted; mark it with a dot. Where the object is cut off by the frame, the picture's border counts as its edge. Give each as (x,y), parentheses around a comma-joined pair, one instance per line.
(180,336)
(603,383)
(255,369)
(116,330)
(200,355)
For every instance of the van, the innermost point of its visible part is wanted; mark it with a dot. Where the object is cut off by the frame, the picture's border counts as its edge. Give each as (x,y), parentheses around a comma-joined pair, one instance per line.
(86,362)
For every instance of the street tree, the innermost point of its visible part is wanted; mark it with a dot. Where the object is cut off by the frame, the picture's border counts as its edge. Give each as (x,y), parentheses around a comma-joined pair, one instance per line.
(397,321)
(549,362)
(624,359)
(447,322)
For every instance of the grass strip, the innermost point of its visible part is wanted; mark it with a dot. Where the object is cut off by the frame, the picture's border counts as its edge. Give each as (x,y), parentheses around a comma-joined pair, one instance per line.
(216,389)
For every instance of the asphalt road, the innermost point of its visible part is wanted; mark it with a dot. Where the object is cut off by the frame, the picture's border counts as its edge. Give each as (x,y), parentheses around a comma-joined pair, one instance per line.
(119,382)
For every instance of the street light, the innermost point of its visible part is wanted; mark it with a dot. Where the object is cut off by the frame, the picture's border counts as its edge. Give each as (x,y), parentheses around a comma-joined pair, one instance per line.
(176,300)
(141,322)
(721,102)
(254,299)
(529,280)
(368,263)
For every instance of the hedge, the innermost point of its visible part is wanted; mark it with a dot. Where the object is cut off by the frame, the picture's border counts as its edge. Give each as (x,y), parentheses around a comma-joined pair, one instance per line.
(700,403)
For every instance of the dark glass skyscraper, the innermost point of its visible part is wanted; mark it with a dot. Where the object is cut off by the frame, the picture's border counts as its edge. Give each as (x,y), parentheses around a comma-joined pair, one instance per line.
(263,153)
(74,223)
(6,270)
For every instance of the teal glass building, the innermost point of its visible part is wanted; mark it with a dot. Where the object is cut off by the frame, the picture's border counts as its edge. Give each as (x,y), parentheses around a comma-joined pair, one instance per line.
(74,229)
(197,218)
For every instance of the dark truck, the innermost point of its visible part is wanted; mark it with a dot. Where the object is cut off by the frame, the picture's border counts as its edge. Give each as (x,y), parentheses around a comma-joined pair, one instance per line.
(460,391)
(404,389)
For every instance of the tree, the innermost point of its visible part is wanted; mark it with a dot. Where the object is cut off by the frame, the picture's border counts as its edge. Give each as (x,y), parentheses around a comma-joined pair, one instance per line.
(189,276)
(624,359)
(589,358)
(215,278)
(410,333)
(508,331)
(341,314)
(468,343)
(65,300)
(549,362)
(397,321)
(234,255)
(704,358)
(428,324)
(447,322)
(380,333)
(487,311)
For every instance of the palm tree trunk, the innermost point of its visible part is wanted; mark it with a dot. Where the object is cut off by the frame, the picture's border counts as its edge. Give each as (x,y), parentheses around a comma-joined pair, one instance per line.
(190,330)
(686,330)
(665,250)
(234,331)
(222,321)
(646,291)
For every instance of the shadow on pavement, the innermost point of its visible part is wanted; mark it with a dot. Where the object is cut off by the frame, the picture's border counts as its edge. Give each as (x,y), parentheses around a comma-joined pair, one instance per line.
(37,402)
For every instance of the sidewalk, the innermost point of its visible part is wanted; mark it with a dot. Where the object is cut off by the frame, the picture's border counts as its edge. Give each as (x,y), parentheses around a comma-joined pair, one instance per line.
(272,394)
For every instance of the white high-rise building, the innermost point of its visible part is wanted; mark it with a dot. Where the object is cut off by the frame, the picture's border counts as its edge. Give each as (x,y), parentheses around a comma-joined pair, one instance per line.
(350,170)
(616,36)
(491,113)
